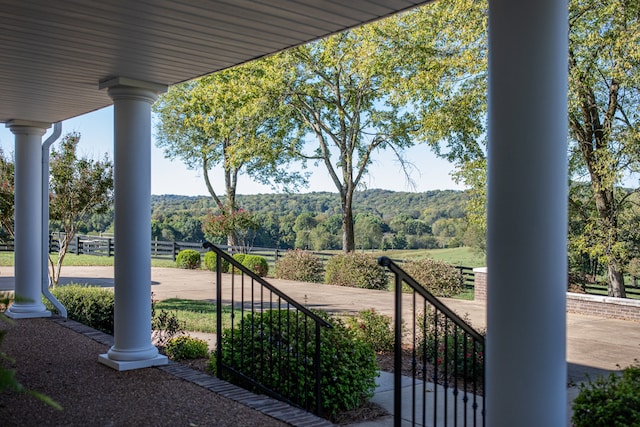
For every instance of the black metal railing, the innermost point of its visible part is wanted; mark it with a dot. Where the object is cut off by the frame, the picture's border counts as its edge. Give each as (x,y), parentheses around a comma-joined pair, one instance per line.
(443,355)
(271,342)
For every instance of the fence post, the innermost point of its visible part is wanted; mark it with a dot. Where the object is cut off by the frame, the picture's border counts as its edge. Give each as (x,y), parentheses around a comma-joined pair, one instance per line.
(176,249)
(109,243)
(77,245)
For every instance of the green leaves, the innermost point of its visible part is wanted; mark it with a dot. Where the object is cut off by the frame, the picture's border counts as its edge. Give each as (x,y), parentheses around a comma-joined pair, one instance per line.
(604,126)
(6,194)
(78,188)
(232,120)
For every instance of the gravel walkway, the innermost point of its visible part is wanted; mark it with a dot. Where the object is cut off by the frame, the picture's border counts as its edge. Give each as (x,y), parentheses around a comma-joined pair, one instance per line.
(59,358)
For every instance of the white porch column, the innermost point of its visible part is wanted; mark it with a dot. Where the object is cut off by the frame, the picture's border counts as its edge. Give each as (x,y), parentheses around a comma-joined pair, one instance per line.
(28,219)
(527,213)
(132,347)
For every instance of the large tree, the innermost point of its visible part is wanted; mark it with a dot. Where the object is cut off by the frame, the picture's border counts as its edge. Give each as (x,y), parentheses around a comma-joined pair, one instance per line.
(78,188)
(230,120)
(604,134)
(336,93)
(604,121)
(387,86)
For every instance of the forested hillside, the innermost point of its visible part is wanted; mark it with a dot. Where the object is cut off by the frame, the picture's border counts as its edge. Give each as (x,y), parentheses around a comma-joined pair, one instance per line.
(382,203)
(312,221)
(382,219)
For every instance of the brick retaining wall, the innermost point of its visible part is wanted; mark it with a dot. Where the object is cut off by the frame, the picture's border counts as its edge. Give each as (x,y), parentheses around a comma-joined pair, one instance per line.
(594,305)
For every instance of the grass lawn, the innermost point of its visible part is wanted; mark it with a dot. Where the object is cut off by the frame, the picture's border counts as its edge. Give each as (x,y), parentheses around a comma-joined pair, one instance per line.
(464,256)
(196,315)
(6,260)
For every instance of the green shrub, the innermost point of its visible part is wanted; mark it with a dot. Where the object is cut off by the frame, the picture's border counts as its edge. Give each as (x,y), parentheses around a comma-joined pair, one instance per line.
(188,259)
(356,270)
(439,278)
(89,305)
(165,325)
(186,347)
(210,262)
(449,348)
(239,257)
(274,348)
(374,328)
(609,401)
(299,265)
(256,264)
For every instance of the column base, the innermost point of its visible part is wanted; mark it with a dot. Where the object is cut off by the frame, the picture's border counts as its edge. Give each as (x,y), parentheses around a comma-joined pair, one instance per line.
(17,314)
(127,365)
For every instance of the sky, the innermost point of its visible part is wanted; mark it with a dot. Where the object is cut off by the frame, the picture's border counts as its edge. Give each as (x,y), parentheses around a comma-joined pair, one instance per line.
(173,177)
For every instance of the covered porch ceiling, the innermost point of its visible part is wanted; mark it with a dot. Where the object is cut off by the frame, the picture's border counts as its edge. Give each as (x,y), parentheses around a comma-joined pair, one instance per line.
(55,53)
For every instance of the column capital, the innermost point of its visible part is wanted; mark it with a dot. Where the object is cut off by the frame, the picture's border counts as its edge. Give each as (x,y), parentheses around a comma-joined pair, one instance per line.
(126,88)
(27,127)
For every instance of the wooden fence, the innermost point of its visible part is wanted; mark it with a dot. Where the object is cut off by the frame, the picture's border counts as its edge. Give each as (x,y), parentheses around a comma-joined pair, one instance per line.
(105,246)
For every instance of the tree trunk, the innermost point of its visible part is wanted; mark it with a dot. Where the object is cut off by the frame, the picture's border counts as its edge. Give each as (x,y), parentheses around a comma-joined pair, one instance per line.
(616,280)
(348,239)
(64,246)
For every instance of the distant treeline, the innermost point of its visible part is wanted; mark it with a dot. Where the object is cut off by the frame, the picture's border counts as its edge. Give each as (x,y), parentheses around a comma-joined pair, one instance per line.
(384,219)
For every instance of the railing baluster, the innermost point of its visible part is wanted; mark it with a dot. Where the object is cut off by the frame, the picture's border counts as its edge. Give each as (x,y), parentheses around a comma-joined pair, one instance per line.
(272,367)
(436,363)
(445,344)
(425,373)
(414,356)
(397,361)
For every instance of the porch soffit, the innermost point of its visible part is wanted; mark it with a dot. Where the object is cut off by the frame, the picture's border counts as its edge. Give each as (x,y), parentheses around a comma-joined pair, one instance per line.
(54,53)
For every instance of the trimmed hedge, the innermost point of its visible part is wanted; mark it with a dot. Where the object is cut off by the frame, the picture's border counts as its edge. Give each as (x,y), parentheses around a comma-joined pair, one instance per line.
(300,265)
(357,270)
(186,347)
(188,259)
(210,259)
(439,278)
(255,263)
(284,362)
(89,305)
(239,257)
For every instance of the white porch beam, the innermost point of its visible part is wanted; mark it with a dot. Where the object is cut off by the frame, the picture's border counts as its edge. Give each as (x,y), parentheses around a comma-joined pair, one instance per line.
(132,347)
(527,213)
(27,219)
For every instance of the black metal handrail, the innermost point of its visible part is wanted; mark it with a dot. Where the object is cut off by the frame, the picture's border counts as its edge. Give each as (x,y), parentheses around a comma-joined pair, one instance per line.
(446,353)
(280,338)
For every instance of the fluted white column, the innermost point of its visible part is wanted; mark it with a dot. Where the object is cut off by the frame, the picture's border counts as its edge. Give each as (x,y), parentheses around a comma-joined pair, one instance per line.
(132,347)
(527,213)
(28,219)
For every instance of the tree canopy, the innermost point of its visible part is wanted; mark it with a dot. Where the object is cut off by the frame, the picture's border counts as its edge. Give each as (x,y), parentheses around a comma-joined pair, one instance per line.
(604,124)
(230,120)
(387,86)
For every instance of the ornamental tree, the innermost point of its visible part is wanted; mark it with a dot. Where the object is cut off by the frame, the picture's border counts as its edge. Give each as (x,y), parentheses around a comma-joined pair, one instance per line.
(78,188)
(7,204)
(239,223)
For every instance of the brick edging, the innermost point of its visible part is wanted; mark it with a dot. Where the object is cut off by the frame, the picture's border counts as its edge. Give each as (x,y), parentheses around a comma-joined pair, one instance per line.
(593,305)
(596,305)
